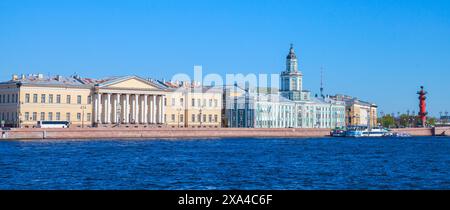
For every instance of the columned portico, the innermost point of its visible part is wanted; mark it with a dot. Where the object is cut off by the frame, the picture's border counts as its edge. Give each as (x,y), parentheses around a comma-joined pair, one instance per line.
(129,100)
(119,108)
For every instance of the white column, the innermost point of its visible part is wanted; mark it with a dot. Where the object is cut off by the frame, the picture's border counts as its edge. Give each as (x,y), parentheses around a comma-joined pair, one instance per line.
(100,107)
(108,108)
(133,110)
(141,110)
(160,105)
(153,108)
(116,109)
(163,110)
(96,108)
(145,110)
(127,108)
(136,109)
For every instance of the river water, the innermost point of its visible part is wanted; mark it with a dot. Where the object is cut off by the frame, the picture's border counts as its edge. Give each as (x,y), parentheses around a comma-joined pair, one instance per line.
(312,163)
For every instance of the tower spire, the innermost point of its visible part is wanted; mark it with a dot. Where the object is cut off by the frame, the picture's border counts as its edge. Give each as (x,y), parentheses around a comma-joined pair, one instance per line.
(321,82)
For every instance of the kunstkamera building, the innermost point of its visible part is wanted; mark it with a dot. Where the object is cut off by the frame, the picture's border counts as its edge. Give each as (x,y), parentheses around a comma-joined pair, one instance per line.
(289,107)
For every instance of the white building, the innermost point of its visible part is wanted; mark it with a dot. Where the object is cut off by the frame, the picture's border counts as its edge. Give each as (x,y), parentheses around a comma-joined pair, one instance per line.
(291,107)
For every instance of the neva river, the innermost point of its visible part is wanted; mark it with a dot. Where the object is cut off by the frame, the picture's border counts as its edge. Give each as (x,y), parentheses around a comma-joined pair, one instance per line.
(324,163)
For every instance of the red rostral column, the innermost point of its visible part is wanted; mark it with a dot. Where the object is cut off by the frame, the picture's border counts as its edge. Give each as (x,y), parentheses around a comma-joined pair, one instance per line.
(423,106)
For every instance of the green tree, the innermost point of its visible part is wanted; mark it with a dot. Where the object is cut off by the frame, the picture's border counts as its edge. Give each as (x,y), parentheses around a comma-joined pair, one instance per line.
(431,121)
(404,120)
(387,121)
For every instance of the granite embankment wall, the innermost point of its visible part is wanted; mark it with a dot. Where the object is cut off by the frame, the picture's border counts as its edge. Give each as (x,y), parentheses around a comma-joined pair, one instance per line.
(437,131)
(415,131)
(151,133)
(442,131)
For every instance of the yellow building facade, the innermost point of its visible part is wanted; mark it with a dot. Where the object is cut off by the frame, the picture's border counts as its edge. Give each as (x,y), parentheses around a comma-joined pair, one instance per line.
(358,112)
(110,102)
(194,107)
(39,99)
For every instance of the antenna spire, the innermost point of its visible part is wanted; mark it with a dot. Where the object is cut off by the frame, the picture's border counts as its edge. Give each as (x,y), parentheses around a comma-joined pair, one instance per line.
(321,82)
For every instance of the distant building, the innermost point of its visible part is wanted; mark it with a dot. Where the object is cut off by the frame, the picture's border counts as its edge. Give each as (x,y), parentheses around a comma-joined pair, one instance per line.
(443,120)
(190,105)
(108,102)
(290,107)
(358,112)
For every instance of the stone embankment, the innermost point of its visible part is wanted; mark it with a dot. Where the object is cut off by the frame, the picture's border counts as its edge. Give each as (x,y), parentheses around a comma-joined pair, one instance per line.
(154,133)
(178,133)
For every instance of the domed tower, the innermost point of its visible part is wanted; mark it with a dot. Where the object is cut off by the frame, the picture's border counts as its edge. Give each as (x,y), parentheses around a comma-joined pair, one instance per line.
(291,78)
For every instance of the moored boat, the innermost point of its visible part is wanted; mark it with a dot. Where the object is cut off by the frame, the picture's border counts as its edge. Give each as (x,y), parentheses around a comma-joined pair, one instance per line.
(338,132)
(364,131)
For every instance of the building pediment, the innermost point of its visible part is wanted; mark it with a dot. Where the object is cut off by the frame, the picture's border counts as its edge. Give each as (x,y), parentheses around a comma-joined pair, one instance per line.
(130,82)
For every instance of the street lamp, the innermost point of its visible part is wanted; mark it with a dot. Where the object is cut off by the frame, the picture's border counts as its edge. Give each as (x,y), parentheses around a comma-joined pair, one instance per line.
(201,115)
(179,110)
(83,107)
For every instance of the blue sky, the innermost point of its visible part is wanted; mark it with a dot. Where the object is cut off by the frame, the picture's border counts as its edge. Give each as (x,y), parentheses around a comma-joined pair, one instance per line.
(380,51)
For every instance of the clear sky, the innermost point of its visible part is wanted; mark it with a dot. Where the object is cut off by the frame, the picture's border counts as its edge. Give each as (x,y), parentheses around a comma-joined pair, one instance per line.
(378,50)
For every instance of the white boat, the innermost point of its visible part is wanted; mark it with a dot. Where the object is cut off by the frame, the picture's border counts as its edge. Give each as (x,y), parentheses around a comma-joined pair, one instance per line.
(364,131)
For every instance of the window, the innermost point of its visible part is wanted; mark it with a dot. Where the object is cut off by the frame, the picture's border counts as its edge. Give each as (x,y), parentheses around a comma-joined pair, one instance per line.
(1,99)
(210,118)
(68,99)
(43,98)
(204,118)
(199,102)
(78,99)
(88,117)
(210,102)
(199,118)
(204,102)
(216,118)
(193,102)
(50,98)
(35,96)
(173,101)
(58,115)
(181,118)
(89,99)
(216,102)
(42,116)
(181,101)
(34,117)
(27,116)
(79,116)
(58,99)
(173,117)
(50,116)
(68,116)
(193,117)
(165,101)
(27,98)
(7,99)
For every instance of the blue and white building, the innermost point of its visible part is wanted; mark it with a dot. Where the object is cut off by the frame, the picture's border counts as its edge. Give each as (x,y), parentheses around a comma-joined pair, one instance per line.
(290,107)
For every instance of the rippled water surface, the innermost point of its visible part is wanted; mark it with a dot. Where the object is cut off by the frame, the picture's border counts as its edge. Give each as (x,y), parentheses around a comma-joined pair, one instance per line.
(323,163)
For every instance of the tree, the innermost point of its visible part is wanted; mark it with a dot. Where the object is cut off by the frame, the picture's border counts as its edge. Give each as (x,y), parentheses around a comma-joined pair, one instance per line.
(387,121)
(404,120)
(431,121)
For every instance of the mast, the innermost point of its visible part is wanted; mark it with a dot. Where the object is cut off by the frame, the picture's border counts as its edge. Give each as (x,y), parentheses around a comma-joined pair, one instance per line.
(321,83)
